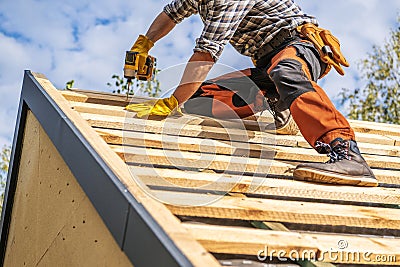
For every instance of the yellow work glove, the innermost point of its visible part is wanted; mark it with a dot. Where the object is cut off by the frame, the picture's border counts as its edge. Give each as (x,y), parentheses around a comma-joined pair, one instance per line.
(323,40)
(142,46)
(160,107)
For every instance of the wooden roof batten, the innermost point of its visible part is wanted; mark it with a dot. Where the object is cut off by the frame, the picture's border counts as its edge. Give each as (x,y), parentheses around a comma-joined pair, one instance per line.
(235,175)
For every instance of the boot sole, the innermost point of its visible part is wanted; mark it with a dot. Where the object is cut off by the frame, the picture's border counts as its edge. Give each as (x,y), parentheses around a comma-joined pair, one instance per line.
(314,175)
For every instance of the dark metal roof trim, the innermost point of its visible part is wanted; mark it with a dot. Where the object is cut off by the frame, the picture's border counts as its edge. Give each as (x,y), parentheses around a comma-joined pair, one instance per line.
(134,229)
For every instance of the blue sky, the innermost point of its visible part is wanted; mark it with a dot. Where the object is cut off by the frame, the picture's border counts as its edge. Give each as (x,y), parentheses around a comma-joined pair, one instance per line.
(86,40)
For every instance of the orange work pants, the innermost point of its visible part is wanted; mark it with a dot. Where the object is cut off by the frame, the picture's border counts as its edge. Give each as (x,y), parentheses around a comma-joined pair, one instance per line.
(314,113)
(290,75)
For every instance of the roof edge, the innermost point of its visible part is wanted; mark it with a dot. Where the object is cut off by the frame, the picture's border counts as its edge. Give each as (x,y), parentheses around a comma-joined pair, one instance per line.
(122,213)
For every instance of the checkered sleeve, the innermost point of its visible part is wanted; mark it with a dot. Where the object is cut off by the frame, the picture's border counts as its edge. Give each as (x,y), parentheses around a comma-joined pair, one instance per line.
(178,10)
(223,18)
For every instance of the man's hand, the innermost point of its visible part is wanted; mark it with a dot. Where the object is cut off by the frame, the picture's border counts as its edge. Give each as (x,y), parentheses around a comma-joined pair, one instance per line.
(195,73)
(142,46)
(160,107)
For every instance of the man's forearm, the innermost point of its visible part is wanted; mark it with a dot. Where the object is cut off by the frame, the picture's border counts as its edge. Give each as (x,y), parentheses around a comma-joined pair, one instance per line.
(160,27)
(197,68)
(195,73)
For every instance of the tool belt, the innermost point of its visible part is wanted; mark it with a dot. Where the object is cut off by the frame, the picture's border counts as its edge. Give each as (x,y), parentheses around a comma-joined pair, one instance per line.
(328,46)
(282,37)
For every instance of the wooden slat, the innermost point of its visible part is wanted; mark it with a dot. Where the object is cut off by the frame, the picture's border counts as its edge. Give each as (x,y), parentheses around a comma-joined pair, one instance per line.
(224,163)
(396,139)
(387,176)
(374,148)
(99,109)
(358,126)
(181,143)
(375,128)
(266,123)
(374,139)
(225,147)
(247,241)
(288,153)
(189,160)
(278,210)
(361,138)
(221,134)
(220,147)
(384,150)
(243,241)
(73,96)
(186,160)
(177,127)
(265,186)
(302,154)
(236,148)
(105,98)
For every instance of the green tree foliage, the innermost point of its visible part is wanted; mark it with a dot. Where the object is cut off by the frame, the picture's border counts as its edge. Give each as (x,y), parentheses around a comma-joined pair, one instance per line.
(150,88)
(4,162)
(120,86)
(379,100)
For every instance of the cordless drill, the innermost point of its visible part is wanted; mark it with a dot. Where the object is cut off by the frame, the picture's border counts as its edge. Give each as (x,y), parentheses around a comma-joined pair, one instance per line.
(133,70)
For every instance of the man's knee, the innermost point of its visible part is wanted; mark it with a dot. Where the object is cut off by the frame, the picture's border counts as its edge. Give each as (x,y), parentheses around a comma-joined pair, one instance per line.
(290,80)
(286,72)
(199,105)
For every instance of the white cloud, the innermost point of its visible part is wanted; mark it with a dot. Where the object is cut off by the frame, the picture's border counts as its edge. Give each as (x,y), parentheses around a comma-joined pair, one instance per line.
(86,40)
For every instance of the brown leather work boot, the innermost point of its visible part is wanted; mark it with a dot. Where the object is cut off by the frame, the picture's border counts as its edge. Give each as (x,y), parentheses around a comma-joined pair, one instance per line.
(284,122)
(346,166)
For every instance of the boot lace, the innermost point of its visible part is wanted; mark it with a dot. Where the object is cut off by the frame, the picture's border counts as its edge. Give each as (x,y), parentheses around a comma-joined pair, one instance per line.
(337,153)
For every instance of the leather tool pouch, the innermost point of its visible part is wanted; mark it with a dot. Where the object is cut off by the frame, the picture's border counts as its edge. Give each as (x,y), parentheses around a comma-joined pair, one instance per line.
(327,45)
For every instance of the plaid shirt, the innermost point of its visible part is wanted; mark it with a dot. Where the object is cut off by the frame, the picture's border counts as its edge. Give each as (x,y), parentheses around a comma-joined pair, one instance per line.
(246,24)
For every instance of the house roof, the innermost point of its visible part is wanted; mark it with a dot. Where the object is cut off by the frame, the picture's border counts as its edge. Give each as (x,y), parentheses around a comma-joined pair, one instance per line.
(200,191)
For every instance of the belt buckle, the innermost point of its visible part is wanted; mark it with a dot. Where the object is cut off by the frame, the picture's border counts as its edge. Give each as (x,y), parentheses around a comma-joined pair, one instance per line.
(286,33)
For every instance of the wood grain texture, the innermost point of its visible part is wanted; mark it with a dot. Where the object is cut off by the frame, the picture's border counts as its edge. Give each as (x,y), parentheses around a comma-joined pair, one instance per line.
(238,240)
(266,123)
(361,127)
(281,210)
(237,135)
(74,96)
(266,187)
(190,160)
(223,163)
(193,148)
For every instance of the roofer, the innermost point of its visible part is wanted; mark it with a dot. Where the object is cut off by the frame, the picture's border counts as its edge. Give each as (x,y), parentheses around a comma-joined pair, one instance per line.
(290,53)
